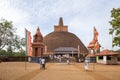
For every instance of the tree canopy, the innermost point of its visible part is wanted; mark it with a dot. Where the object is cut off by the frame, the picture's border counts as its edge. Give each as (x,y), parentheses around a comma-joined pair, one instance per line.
(9,39)
(115,30)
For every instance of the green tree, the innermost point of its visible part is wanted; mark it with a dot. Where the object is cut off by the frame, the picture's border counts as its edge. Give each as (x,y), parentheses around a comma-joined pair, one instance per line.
(19,54)
(0,42)
(3,52)
(9,39)
(115,30)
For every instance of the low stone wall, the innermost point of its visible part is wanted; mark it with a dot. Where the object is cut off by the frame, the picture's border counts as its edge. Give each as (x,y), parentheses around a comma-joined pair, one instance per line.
(101,62)
(11,58)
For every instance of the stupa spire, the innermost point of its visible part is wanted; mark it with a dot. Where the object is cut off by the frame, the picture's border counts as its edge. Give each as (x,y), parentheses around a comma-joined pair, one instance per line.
(60,22)
(60,27)
(38,29)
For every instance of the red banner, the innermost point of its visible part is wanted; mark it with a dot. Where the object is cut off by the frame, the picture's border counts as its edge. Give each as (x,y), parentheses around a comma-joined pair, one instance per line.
(28,43)
(96,44)
(95,35)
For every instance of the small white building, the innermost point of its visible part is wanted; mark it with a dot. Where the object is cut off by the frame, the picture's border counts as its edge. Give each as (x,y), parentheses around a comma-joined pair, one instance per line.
(107,57)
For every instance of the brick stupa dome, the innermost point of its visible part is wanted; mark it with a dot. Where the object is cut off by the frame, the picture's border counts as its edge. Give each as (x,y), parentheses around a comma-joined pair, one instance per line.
(62,38)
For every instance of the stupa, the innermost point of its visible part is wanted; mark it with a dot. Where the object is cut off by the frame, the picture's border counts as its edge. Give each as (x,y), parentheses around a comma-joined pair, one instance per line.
(61,38)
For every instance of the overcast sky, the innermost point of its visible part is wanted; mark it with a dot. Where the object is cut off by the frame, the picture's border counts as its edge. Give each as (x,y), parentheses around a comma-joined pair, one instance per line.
(80,16)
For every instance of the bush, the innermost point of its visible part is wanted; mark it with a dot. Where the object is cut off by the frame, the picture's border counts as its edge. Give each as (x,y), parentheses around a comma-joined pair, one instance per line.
(4,53)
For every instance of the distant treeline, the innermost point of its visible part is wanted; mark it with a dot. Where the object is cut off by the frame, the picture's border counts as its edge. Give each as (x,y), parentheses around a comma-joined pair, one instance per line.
(4,53)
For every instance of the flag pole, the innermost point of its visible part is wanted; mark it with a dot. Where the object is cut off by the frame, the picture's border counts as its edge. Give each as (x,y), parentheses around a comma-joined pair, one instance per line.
(26,51)
(25,63)
(93,61)
(93,48)
(94,51)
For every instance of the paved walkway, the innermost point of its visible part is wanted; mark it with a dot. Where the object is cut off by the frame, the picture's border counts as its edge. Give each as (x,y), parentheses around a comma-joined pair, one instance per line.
(62,71)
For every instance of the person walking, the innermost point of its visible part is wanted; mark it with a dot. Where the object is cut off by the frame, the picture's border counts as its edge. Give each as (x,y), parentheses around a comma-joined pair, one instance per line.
(68,61)
(68,58)
(40,63)
(43,63)
(59,58)
(86,65)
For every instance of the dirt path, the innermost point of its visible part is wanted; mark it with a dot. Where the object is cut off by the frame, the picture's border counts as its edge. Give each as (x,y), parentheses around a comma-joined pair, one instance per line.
(32,74)
(62,71)
(92,73)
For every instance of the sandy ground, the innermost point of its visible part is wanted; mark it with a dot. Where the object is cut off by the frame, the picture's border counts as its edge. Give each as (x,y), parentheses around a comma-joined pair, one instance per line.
(13,70)
(58,71)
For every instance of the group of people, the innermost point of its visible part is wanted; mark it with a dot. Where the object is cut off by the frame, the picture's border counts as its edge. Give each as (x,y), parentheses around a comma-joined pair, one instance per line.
(42,63)
(59,57)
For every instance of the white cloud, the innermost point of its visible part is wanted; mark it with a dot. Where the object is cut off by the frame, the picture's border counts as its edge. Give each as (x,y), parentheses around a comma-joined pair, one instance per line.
(80,15)
(19,18)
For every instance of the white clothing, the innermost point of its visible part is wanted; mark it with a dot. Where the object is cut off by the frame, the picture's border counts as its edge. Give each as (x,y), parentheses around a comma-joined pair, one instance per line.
(42,61)
(86,65)
(68,61)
